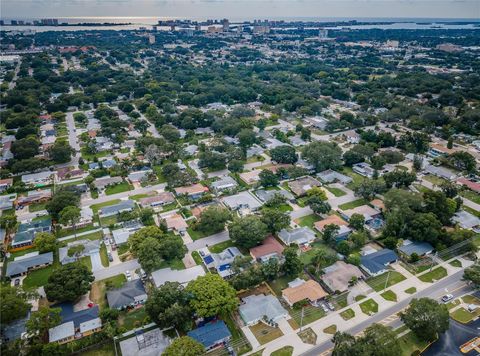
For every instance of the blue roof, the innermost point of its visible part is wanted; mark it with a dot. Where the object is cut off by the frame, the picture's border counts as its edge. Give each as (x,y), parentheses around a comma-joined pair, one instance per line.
(420,248)
(208,259)
(210,334)
(375,262)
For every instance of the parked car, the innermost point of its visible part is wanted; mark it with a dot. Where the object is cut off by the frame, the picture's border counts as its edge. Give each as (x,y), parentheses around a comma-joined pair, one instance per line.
(129,276)
(447,298)
(325,309)
(17,282)
(330,306)
(110,257)
(142,273)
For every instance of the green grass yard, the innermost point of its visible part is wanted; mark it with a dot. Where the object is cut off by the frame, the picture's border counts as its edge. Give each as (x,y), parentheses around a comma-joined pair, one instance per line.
(347,314)
(335,191)
(265,333)
(104,255)
(353,204)
(409,344)
(133,318)
(434,179)
(369,307)
(456,263)
(411,290)
(475,197)
(378,283)
(284,351)
(389,295)
(118,188)
(36,207)
(433,275)
(221,246)
(308,220)
(96,207)
(310,314)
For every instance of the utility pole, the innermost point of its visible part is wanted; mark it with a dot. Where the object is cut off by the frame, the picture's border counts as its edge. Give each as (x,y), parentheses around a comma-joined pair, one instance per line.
(386,282)
(301,319)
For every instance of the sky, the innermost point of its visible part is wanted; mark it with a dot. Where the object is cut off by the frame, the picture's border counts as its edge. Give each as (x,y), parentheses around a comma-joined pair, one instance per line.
(241,9)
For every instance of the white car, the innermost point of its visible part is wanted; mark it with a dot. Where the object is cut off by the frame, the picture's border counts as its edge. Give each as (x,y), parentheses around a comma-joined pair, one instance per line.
(129,276)
(447,298)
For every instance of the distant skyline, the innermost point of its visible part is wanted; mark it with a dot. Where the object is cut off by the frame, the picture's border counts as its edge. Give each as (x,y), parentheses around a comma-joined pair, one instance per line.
(242,9)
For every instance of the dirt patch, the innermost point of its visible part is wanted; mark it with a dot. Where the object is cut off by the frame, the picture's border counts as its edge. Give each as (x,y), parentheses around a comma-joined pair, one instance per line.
(308,336)
(97,293)
(261,289)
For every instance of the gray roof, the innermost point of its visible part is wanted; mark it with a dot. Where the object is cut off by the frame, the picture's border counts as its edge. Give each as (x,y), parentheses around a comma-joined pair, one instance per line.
(420,248)
(183,276)
(90,247)
(21,266)
(440,172)
(117,208)
(61,331)
(226,182)
(242,200)
(102,182)
(300,235)
(26,178)
(255,307)
(330,176)
(466,220)
(128,294)
(266,195)
(90,325)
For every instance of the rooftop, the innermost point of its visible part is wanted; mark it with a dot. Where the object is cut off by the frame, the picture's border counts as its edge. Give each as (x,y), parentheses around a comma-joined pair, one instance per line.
(183,276)
(255,307)
(211,333)
(309,290)
(269,246)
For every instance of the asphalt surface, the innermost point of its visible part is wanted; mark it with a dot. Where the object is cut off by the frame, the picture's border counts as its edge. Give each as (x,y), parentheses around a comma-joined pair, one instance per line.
(447,285)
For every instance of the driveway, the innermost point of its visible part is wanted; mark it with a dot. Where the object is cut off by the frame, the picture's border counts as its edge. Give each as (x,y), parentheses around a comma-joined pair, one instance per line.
(209,241)
(96,262)
(117,269)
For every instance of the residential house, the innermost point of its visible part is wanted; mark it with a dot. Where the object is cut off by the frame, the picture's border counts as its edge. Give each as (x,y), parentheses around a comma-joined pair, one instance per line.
(69,173)
(299,290)
(104,182)
(377,263)
(23,264)
(131,294)
(222,261)
(310,168)
(473,186)
(37,179)
(139,176)
(265,308)
(223,184)
(316,122)
(364,169)
(120,236)
(5,184)
(366,211)
(90,247)
(191,149)
(254,150)
(176,223)
(343,231)
(266,195)
(7,201)
(242,201)
(297,141)
(466,220)
(184,276)
(251,177)
(300,236)
(352,137)
(124,205)
(337,277)
(62,333)
(300,186)
(441,172)
(26,232)
(331,176)
(194,191)
(108,163)
(211,335)
(272,143)
(157,200)
(35,197)
(437,150)
(420,248)
(270,248)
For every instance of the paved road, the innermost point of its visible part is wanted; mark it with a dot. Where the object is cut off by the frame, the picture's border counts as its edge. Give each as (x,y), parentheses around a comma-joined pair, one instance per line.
(117,269)
(123,195)
(295,214)
(96,262)
(466,202)
(152,129)
(436,290)
(209,241)
(72,138)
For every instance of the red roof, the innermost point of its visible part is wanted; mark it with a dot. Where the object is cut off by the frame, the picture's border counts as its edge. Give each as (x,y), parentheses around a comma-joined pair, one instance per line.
(269,246)
(468,183)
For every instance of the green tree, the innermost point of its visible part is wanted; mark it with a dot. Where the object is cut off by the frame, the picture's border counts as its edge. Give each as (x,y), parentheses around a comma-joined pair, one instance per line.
(70,215)
(68,282)
(41,321)
(292,265)
(247,138)
(357,221)
(472,274)
(323,155)
(45,242)
(248,231)
(13,303)
(268,178)
(318,205)
(60,152)
(184,346)
(170,133)
(368,188)
(212,295)
(275,219)
(213,219)
(426,318)
(169,306)
(399,178)
(25,148)
(449,189)
(329,233)
(358,238)
(235,166)
(284,154)
(60,200)
(141,235)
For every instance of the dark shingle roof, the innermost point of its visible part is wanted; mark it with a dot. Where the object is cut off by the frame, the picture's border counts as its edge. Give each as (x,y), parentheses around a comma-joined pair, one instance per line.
(210,333)
(377,261)
(21,266)
(125,295)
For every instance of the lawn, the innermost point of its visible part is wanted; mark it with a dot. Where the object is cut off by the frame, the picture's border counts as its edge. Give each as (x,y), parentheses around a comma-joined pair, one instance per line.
(475,197)
(122,249)
(335,191)
(133,318)
(347,314)
(38,277)
(284,351)
(221,246)
(108,220)
(93,236)
(359,297)
(237,336)
(284,208)
(36,207)
(463,316)
(434,179)
(196,234)
(456,263)
(104,255)
(353,204)
(369,307)
(453,304)
(306,257)
(308,220)
(140,196)
(104,350)
(357,178)
(118,188)
(96,207)
(471,211)
(265,333)
(197,258)
(279,284)
(310,314)
(332,329)
(409,343)
(434,275)
(99,288)
(389,295)
(68,232)
(470,299)
(378,282)
(86,261)
(411,290)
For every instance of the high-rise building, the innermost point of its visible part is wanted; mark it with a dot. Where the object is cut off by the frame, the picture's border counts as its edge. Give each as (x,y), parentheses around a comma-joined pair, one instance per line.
(14,23)
(151,39)
(225,25)
(323,33)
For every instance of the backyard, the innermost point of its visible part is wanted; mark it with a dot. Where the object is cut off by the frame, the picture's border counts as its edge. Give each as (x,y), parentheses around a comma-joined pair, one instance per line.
(308,220)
